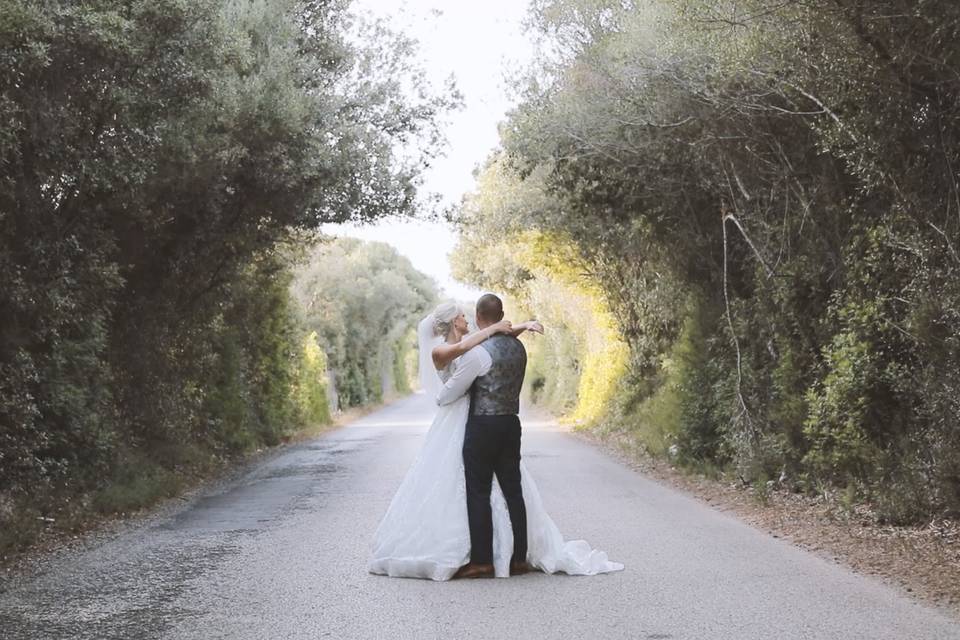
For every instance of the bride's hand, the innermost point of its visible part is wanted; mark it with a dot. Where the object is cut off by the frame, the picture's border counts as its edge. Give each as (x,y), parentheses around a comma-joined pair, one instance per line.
(535,327)
(504,326)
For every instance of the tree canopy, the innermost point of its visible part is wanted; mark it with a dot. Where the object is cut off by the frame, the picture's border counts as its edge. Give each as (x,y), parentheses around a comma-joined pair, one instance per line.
(766,195)
(157,158)
(364,300)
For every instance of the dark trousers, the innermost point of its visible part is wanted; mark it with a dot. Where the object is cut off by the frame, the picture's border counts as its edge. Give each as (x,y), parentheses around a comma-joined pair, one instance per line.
(491,446)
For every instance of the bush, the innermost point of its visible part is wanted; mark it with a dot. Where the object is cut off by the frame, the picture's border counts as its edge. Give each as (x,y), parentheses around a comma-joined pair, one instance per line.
(362,300)
(159,158)
(311,387)
(689,152)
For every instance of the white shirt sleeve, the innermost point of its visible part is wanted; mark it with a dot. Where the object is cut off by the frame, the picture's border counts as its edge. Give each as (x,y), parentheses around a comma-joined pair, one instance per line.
(472,365)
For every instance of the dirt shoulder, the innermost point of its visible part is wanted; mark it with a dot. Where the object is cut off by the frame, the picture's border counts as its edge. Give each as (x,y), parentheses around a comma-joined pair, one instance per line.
(923,561)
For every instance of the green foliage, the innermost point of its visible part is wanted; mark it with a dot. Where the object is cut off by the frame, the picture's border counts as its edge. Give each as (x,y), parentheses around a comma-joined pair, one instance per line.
(363,299)
(134,485)
(405,362)
(765,195)
(253,362)
(156,156)
(703,399)
(573,369)
(680,417)
(836,424)
(311,385)
(761,490)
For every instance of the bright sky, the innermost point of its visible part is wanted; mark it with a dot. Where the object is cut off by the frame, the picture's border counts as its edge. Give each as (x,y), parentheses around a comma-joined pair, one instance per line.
(478,43)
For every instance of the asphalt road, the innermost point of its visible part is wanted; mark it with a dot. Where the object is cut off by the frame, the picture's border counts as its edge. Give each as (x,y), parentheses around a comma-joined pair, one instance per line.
(280,552)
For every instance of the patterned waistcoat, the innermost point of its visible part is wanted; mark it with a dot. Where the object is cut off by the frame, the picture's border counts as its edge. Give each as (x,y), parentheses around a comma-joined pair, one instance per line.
(497,393)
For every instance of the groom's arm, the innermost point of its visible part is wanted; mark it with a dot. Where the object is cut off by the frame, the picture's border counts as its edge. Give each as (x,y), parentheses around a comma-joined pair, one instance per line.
(473,363)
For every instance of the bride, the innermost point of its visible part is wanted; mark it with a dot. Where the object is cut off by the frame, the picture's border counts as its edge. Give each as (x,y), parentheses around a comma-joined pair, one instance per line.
(425,532)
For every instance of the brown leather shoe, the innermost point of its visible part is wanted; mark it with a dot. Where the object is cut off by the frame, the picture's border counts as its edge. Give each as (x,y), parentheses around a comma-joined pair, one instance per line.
(520,568)
(471,570)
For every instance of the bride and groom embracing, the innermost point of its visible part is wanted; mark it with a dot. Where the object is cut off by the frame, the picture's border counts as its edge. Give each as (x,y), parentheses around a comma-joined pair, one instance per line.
(468,507)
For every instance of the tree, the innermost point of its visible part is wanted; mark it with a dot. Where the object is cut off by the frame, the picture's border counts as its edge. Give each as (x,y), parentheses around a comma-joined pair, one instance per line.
(765,193)
(155,158)
(363,300)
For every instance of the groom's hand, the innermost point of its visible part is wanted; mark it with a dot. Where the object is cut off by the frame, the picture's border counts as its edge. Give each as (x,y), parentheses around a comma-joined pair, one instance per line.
(504,326)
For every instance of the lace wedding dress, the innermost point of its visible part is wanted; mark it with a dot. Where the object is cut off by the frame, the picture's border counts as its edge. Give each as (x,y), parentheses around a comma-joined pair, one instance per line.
(425,533)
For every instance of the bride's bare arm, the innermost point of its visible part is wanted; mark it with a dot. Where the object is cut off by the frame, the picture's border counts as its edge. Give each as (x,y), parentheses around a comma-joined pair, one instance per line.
(530,325)
(445,353)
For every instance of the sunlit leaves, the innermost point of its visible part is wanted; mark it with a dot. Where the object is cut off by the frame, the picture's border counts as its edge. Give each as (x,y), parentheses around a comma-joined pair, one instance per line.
(781,176)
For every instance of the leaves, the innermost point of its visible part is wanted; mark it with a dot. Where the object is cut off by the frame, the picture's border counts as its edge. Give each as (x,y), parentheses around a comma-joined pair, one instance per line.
(156,160)
(362,300)
(781,177)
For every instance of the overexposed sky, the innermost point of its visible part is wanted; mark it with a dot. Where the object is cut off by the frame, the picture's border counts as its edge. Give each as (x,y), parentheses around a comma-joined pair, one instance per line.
(478,43)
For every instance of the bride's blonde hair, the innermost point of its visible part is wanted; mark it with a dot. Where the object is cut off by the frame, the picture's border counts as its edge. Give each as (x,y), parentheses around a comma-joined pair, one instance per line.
(443,317)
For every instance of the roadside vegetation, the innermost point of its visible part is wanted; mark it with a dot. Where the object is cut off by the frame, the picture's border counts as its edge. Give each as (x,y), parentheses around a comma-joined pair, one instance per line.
(743,220)
(164,165)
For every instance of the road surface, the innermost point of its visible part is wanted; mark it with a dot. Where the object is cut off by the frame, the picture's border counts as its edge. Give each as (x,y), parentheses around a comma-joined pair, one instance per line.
(280,552)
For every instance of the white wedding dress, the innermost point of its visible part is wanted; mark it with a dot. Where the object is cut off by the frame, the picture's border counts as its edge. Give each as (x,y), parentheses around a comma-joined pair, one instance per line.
(425,533)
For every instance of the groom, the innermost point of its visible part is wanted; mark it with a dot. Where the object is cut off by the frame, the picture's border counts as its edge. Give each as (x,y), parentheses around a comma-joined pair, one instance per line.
(491,444)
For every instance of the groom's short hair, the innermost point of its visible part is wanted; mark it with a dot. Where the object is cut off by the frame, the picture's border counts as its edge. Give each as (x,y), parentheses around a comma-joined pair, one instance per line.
(490,308)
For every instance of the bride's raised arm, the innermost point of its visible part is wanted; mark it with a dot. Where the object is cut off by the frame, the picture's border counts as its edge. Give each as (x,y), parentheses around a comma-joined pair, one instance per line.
(530,325)
(445,353)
